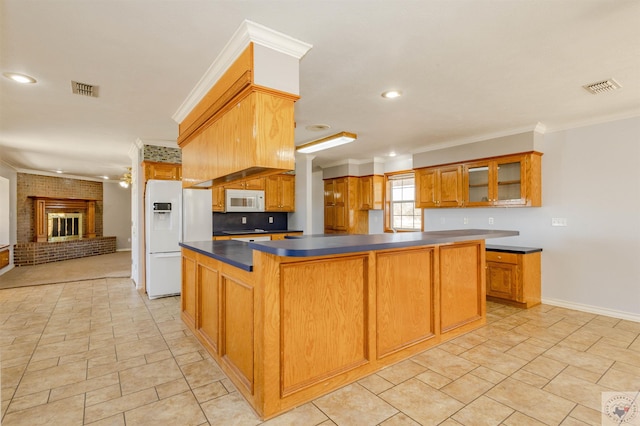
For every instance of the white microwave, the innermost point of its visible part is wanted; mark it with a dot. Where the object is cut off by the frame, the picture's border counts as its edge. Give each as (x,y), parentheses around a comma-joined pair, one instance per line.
(244,200)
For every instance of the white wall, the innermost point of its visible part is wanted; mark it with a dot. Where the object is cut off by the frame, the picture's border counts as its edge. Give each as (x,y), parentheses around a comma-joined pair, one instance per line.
(9,236)
(116,216)
(5,211)
(317,191)
(591,177)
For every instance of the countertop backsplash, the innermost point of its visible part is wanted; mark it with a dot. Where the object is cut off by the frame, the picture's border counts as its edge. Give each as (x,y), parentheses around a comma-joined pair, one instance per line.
(233,221)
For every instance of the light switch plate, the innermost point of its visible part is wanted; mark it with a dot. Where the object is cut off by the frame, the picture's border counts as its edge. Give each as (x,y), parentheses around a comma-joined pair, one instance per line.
(558,221)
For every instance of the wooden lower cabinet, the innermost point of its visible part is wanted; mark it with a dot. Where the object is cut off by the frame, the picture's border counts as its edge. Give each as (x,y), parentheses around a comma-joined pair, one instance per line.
(514,278)
(4,258)
(299,327)
(189,285)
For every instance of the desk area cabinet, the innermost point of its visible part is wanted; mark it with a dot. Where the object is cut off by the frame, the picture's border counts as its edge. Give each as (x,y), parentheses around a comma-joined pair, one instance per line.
(513,275)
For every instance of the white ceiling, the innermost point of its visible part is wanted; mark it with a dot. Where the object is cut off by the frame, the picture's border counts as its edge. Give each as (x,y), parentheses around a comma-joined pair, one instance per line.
(468,69)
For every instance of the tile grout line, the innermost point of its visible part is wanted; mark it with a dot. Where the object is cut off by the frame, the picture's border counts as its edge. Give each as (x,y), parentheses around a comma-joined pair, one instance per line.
(33,352)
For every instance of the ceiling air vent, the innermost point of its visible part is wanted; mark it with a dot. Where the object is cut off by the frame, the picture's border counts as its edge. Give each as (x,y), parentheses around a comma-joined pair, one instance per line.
(84,89)
(602,86)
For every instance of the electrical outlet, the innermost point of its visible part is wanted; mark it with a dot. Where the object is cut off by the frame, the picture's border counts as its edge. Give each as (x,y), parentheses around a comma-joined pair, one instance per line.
(558,221)
(465,221)
(490,221)
(270,219)
(244,220)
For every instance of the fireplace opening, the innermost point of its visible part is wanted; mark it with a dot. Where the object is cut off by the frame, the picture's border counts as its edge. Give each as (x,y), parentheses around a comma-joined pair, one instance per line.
(64,226)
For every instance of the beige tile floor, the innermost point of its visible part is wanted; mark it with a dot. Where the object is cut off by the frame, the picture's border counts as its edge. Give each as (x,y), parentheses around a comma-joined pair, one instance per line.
(96,352)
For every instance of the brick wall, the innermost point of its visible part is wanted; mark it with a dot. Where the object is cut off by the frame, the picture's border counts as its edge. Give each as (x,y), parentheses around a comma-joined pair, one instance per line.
(55,187)
(32,253)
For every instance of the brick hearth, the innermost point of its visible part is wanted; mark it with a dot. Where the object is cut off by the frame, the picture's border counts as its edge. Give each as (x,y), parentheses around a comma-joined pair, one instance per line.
(33,253)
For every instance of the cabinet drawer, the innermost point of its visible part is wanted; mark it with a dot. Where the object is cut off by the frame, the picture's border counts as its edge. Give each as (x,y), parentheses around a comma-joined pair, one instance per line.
(496,256)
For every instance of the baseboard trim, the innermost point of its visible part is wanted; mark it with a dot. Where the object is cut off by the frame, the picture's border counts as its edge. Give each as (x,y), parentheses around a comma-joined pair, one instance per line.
(593,309)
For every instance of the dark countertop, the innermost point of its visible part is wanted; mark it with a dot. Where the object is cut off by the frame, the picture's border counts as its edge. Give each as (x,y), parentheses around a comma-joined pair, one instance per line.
(306,247)
(512,249)
(240,253)
(253,232)
(236,253)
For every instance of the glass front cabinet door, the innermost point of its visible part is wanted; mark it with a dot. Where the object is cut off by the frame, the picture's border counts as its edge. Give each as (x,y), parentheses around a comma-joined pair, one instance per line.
(502,181)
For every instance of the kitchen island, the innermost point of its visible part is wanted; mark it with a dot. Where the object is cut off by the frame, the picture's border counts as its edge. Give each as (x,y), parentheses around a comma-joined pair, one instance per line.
(291,320)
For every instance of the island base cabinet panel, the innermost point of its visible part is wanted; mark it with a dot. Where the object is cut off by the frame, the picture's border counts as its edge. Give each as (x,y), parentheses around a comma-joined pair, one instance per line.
(208,321)
(297,328)
(323,320)
(404,299)
(237,330)
(188,290)
(462,285)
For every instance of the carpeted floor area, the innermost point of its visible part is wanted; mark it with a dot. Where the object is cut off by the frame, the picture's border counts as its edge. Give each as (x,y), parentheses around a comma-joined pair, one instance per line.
(114,265)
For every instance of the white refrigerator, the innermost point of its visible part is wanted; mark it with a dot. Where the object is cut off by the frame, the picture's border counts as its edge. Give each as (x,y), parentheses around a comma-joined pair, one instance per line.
(171,216)
(197,218)
(163,222)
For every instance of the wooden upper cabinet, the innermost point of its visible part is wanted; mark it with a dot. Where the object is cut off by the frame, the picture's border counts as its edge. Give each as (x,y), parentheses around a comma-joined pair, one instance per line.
(254,133)
(217,199)
(504,181)
(238,129)
(280,193)
(254,184)
(162,171)
(439,187)
(371,192)
(507,181)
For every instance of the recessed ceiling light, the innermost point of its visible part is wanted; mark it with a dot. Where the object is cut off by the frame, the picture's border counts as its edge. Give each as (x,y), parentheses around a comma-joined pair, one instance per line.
(391,94)
(392,154)
(58,171)
(19,78)
(105,177)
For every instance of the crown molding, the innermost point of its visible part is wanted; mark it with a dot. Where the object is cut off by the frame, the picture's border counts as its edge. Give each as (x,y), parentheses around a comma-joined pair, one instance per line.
(248,32)
(60,175)
(538,127)
(597,120)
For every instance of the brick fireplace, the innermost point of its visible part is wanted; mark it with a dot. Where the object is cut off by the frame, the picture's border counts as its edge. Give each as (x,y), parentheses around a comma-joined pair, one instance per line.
(38,196)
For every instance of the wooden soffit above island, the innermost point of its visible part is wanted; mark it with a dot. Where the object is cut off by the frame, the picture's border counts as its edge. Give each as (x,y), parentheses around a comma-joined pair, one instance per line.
(239,121)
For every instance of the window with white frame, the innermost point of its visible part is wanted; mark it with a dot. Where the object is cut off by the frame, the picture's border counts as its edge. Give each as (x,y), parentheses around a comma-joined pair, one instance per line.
(403,214)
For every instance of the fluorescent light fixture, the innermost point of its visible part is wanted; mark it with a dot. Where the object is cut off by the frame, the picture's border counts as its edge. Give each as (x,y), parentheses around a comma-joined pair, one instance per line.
(19,78)
(326,143)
